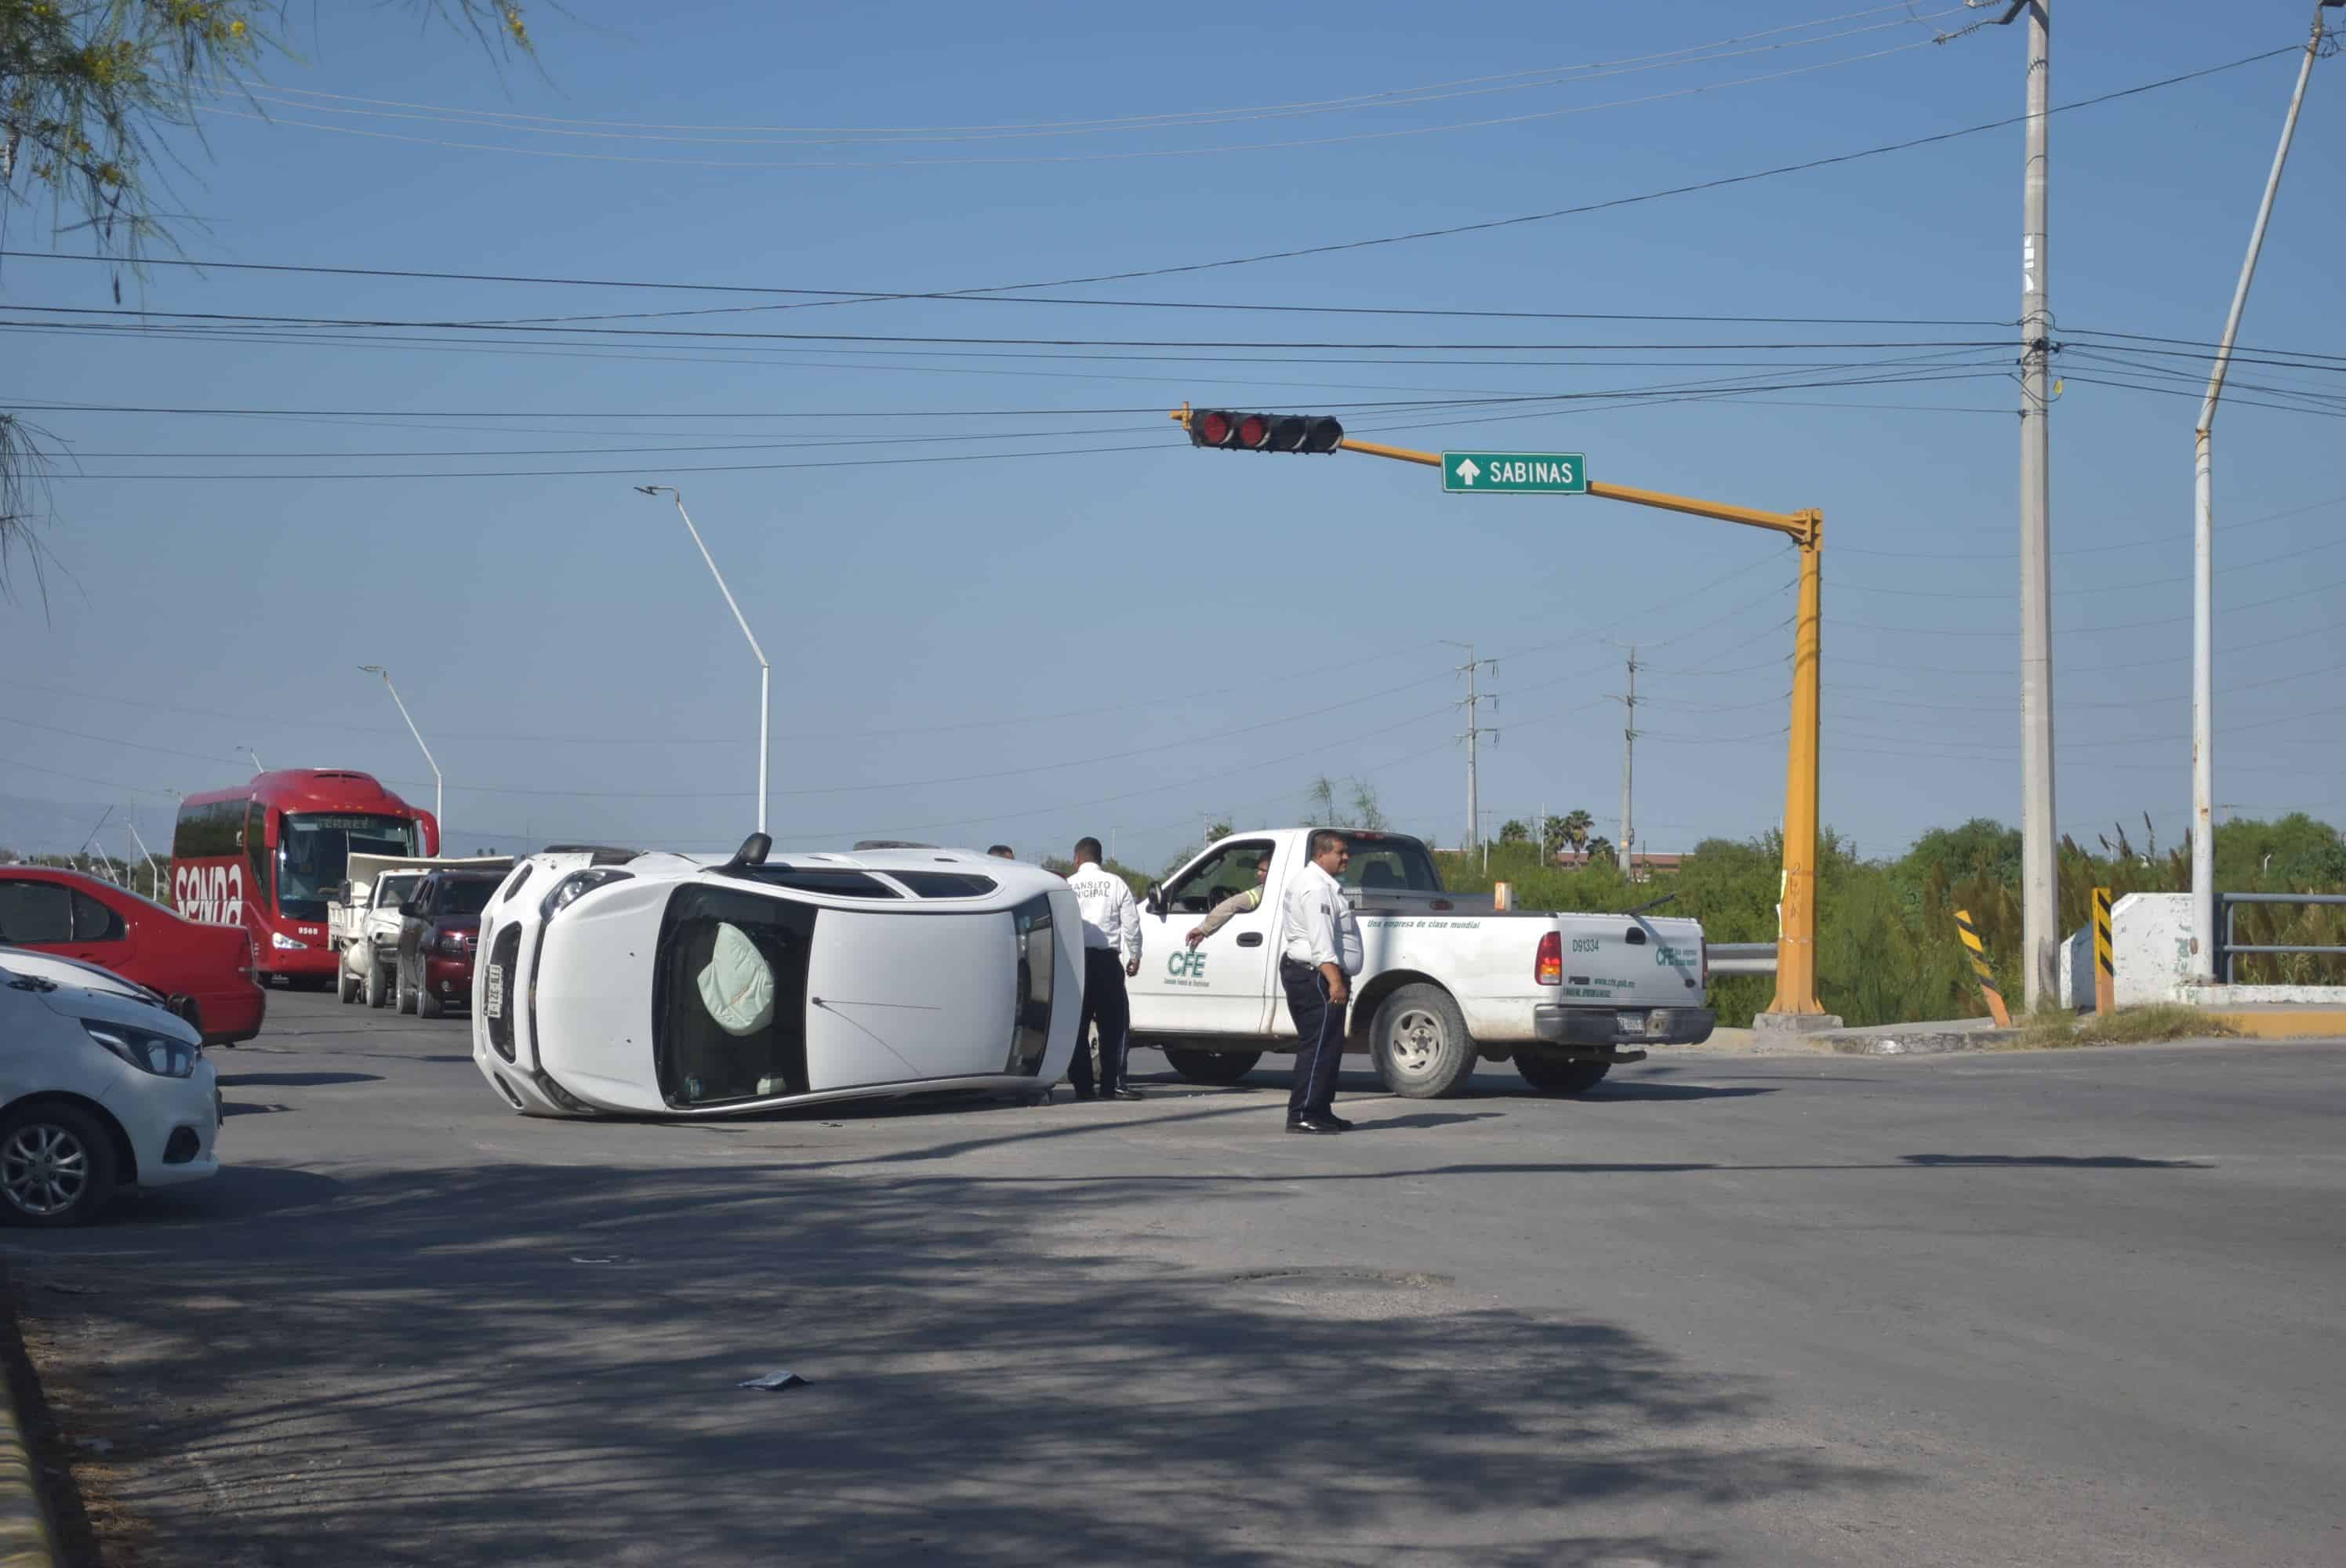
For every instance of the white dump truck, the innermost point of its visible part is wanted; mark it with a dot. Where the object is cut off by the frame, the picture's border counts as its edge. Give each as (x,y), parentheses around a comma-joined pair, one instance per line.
(363,917)
(1450,979)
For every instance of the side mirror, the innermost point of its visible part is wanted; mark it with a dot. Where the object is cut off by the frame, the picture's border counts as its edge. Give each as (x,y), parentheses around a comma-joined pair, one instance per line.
(1154,900)
(410,909)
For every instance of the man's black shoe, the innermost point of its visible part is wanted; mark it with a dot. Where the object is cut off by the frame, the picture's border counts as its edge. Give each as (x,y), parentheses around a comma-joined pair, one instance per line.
(1085,1094)
(1314,1124)
(1342,1125)
(1123,1093)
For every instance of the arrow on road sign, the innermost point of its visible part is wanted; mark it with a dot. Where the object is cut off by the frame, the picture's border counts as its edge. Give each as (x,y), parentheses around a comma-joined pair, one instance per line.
(1468,472)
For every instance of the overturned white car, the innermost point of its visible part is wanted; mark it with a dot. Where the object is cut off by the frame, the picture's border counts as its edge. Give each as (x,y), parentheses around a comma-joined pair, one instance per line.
(624,982)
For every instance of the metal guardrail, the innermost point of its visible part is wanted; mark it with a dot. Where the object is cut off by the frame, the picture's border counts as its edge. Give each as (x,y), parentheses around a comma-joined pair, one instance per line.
(1741,957)
(2230,902)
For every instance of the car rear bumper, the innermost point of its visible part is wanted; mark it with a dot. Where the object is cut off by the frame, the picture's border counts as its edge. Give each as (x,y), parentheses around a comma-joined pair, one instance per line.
(1602,1031)
(226,1017)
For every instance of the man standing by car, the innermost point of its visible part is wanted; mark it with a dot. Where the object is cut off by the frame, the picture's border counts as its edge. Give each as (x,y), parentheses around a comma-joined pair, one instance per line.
(1320,951)
(1111,953)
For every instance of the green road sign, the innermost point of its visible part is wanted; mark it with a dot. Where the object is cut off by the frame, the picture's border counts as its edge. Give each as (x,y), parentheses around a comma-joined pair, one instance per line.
(1515,473)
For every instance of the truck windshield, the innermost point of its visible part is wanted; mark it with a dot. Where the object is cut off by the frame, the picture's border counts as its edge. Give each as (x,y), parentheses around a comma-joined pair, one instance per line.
(313,855)
(1391,865)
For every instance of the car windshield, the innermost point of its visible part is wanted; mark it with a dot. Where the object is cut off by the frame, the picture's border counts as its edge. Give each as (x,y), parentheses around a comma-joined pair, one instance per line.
(397,891)
(467,896)
(314,850)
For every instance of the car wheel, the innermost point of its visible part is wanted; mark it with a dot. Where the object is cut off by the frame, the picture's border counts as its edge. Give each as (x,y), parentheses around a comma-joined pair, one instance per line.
(406,995)
(57,1165)
(378,985)
(1218,1067)
(346,985)
(1552,1076)
(427,1006)
(1419,1045)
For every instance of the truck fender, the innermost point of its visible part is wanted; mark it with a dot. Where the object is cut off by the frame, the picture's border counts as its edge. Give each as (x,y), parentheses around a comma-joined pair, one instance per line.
(1369,997)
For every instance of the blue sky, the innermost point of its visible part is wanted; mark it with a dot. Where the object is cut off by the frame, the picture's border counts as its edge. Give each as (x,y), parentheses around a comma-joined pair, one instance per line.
(1109,630)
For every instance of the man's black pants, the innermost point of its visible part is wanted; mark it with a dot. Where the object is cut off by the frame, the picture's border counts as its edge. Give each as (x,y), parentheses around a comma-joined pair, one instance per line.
(1104,1003)
(1319,1039)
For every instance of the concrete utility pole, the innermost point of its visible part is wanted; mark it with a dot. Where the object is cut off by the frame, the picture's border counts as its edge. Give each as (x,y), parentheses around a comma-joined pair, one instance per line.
(1475,730)
(2203,554)
(1628,760)
(2040,906)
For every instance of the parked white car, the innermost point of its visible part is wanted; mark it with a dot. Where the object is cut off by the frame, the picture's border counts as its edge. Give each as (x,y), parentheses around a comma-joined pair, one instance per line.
(23,961)
(99,1091)
(618,982)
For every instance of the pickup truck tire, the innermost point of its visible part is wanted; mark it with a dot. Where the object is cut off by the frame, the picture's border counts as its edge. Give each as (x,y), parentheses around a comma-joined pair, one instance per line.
(428,1006)
(1419,1045)
(346,984)
(378,984)
(1551,1075)
(1218,1067)
(404,1001)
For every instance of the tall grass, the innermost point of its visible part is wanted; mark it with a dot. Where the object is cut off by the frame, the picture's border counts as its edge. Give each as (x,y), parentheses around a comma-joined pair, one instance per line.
(1887,952)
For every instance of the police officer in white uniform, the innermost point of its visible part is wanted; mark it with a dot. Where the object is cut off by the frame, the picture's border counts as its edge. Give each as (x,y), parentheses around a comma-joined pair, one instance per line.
(1320,951)
(1111,953)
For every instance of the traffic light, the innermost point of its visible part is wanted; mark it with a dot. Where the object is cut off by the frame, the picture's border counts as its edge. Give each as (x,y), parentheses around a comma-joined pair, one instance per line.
(1232,431)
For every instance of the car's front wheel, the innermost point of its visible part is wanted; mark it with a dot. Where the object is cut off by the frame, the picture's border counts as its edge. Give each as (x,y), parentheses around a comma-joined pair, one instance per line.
(346,984)
(57,1165)
(428,1006)
(407,994)
(378,984)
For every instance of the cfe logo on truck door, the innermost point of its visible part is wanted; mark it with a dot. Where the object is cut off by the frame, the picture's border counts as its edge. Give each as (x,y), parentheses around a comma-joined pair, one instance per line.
(1186,969)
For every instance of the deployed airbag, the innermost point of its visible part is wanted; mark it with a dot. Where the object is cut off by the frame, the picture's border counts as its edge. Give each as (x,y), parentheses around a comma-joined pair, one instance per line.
(736,984)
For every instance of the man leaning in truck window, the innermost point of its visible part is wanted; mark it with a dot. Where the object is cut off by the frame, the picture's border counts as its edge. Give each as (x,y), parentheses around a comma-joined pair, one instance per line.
(1320,951)
(1237,903)
(1111,953)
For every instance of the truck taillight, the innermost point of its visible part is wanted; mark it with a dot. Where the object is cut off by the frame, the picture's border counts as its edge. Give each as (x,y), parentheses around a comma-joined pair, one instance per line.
(1548,967)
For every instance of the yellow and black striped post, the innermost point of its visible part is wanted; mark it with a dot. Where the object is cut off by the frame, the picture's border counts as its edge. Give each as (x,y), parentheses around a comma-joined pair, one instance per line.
(2106,974)
(1978,956)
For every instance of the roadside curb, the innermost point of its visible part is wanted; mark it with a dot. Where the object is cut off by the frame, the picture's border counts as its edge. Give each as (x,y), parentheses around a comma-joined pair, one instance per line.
(25,1541)
(1924,1040)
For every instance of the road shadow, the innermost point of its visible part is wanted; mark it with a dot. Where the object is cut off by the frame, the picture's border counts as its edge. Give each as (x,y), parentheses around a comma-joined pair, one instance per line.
(527,1363)
(294,1080)
(1429,1119)
(2060,1162)
(1639,1089)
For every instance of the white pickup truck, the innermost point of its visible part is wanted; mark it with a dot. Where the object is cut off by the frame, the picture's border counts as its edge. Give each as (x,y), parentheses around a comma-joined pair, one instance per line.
(1449,977)
(362,918)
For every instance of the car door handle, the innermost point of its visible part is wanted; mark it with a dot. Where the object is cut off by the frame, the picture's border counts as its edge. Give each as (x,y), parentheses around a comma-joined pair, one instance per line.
(1249,939)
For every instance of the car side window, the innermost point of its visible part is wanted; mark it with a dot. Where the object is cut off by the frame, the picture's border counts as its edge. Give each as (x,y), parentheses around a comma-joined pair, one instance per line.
(33,912)
(93,922)
(1228,871)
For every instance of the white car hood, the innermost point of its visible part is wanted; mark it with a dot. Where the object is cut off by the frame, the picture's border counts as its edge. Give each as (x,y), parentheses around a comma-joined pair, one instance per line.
(113,1007)
(70,972)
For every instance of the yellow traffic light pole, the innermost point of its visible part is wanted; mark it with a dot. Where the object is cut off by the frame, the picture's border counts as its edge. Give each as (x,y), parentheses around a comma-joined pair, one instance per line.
(1796,938)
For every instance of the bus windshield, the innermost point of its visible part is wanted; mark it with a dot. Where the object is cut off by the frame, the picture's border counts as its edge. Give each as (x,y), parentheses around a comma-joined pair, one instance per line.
(315,850)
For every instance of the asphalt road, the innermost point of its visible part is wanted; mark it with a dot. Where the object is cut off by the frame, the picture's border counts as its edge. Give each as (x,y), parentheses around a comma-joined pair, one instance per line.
(2076,1308)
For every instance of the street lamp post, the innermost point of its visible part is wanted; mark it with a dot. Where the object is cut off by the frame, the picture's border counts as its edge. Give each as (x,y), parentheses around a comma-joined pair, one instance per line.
(439,791)
(765,670)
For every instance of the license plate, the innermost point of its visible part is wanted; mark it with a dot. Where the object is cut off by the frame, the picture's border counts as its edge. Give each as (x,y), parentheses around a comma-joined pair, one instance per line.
(496,1000)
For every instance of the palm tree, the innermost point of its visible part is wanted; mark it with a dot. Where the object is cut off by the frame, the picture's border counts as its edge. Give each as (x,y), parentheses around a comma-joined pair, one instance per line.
(1576,825)
(1601,848)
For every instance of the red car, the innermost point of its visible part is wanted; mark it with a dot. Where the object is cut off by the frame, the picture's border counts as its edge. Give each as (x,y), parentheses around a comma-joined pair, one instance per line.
(206,971)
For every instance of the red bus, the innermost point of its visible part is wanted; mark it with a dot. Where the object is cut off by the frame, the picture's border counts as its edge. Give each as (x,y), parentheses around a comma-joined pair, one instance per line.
(263,856)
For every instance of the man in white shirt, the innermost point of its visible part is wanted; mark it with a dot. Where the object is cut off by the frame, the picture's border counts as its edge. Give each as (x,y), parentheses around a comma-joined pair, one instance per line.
(1111,953)
(1320,951)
